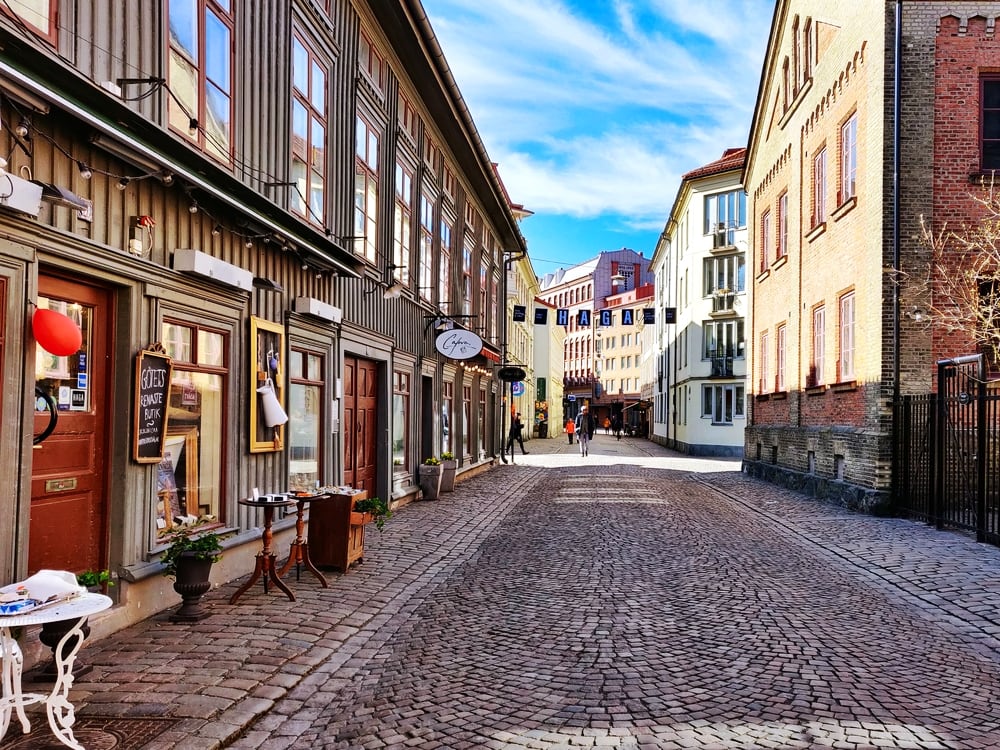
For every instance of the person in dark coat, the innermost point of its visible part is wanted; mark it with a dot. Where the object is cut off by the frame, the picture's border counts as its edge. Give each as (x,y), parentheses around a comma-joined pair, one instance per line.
(516,426)
(585,427)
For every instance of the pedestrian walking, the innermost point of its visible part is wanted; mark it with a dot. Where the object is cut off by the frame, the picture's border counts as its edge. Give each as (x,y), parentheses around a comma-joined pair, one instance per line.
(515,435)
(585,426)
(570,428)
(607,426)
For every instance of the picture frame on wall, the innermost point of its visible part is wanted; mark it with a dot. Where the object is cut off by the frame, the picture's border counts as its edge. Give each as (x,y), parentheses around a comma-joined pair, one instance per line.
(267,361)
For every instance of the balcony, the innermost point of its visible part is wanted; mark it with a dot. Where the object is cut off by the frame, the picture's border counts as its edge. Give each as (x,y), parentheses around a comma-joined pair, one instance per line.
(722,367)
(723,301)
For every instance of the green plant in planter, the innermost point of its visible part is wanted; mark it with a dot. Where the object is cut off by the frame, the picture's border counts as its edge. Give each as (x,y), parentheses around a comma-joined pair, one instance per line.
(94,578)
(379,509)
(203,546)
(447,456)
(432,461)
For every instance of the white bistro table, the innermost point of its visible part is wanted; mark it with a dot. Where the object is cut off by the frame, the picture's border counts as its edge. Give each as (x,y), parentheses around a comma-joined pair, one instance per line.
(57,704)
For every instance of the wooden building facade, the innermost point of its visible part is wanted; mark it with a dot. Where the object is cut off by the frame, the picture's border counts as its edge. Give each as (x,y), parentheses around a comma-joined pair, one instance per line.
(264,194)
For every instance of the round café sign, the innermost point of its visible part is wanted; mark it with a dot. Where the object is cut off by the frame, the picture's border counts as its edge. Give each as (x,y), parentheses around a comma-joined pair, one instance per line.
(458,344)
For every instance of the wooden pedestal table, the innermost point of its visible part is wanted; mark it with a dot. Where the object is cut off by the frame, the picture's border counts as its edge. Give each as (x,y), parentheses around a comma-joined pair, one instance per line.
(57,705)
(298,555)
(266,567)
(337,531)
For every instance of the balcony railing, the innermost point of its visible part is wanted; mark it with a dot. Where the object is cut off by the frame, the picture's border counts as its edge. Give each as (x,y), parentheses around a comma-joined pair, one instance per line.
(722,367)
(723,301)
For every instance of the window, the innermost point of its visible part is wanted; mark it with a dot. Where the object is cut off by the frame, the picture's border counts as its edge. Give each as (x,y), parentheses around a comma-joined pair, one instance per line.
(401,229)
(365,189)
(765,343)
(796,56)
(779,359)
(308,134)
(371,62)
(408,118)
(989,97)
(400,415)
(426,247)
(305,418)
(723,338)
(468,246)
(467,419)
(847,337)
(765,239)
(447,414)
(722,402)
(724,273)
(848,158)
(819,188)
(781,241)
(726,211)
(482,421)
(445,269)
(819,348)
(494,315)
(40,15)
(807,50)
(191,477)
(200,73)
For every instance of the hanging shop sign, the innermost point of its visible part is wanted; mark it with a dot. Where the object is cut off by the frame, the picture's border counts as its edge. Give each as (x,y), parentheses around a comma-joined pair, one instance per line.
(458,344)
(511,374)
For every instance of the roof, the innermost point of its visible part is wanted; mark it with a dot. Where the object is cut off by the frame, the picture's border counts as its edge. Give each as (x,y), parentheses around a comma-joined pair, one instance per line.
(731,159)
(569,275)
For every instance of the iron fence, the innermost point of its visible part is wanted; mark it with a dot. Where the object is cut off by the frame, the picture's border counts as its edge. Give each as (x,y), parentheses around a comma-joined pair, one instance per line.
(946,457)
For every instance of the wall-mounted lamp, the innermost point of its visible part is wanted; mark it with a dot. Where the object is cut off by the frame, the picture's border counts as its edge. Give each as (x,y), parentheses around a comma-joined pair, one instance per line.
(442,322)
(266,284)
(394,290)
(916,314)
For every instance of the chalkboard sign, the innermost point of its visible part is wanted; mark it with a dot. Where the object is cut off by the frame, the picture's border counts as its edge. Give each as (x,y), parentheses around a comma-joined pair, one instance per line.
(152,388)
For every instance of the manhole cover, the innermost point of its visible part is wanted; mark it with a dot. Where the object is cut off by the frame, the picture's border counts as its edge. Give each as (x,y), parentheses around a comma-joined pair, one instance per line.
(93,732)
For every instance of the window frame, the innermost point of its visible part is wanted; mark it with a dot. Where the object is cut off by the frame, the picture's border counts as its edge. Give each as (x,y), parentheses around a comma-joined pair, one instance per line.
(402,223)
(402,390)
(306,378)
(50,33)
(781,230)
(848,159)
(366,188)
(301,203)
(765,239)
(846,341)
(818,363)
(819,188)
(200,137)
(781,351)
(986,164)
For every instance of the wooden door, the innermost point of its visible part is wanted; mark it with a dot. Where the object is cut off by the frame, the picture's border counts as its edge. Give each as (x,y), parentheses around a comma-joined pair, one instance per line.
(360,401)
(69,475)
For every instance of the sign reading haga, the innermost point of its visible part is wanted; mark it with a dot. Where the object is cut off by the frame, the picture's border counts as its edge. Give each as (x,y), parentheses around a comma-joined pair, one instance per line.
(458,344)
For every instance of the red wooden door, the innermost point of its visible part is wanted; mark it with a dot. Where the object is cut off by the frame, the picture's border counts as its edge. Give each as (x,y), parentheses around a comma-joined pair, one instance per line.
(69,510)
(360,400)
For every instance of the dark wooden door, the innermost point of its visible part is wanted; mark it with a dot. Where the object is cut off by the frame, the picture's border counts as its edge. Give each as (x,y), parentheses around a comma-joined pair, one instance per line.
(360,401)
(69,510)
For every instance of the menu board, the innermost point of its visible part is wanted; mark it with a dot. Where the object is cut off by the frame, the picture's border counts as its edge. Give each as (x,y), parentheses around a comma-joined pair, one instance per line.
(152,387)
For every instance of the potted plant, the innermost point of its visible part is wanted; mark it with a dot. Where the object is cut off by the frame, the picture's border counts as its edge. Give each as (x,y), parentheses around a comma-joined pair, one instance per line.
(188,560)
(375,509)
(429,478)
(449,467)
(95,580)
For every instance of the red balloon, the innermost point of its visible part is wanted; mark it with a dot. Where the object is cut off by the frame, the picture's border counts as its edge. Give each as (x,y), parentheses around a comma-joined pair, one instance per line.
(55,332)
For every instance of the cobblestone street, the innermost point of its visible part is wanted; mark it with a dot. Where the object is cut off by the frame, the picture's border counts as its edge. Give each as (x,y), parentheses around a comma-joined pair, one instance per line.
(634,598)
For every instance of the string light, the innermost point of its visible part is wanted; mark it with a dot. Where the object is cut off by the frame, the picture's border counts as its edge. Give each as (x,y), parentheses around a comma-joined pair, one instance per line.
(21,130)
(123,183)
(193,208)
(85,171)
(216,230)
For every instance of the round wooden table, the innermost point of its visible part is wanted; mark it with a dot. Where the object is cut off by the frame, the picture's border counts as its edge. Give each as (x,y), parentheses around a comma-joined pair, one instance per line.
(265,567)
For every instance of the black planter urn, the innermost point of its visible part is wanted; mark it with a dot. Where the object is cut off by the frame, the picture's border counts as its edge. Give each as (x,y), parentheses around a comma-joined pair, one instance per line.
(192,582)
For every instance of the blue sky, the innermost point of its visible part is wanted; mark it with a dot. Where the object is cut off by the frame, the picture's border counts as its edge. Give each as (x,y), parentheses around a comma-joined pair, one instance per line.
(595,108)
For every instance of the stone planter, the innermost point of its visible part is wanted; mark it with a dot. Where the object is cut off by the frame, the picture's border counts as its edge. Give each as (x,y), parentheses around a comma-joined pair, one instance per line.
(429,479)
(192,583)
(449,469)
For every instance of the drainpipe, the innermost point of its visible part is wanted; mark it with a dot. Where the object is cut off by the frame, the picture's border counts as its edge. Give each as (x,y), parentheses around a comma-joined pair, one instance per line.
(896,108)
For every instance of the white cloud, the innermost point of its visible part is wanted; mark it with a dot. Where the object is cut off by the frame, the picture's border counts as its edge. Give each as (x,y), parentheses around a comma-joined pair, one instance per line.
(598,109)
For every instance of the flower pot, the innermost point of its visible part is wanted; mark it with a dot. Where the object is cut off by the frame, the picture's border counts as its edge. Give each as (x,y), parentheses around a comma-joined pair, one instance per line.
(450,467)
(429,478)
(192,582)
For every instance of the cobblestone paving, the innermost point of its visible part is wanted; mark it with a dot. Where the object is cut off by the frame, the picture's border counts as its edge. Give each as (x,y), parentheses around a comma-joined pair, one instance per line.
(627,608)
(631,599)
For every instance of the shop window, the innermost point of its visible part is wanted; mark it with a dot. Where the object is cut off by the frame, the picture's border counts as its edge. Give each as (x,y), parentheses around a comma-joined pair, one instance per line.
(447,413)
(400,413)
(305,418)
(190,478)
(467,420)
